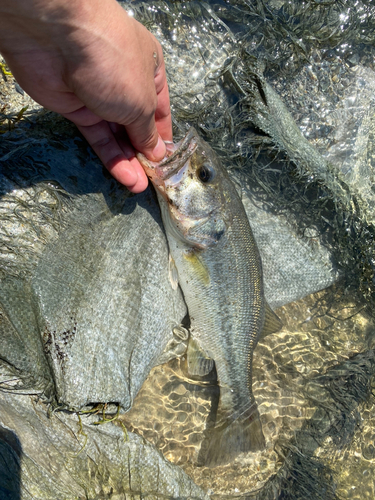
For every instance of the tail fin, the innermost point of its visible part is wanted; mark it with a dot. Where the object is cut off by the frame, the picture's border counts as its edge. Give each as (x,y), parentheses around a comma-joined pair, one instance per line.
(226,440)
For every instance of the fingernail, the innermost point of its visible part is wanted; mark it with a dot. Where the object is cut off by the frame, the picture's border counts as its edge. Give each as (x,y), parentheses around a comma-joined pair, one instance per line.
(160,150)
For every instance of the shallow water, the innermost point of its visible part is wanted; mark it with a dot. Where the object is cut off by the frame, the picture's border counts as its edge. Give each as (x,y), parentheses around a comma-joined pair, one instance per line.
(320,332)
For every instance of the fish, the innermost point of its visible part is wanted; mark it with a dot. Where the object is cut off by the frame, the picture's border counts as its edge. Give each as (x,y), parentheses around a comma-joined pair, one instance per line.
(217,263)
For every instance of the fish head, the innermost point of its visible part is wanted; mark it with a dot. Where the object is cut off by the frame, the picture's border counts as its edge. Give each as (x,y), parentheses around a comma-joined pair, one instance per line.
(194,187)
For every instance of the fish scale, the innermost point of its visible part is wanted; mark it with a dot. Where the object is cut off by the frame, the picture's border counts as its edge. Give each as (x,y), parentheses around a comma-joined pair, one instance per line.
(228,325)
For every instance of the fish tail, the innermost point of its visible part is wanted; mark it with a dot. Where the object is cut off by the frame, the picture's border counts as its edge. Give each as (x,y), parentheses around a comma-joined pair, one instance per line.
(231,437)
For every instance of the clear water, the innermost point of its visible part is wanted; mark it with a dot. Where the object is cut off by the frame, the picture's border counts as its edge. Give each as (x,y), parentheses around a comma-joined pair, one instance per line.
(320,332)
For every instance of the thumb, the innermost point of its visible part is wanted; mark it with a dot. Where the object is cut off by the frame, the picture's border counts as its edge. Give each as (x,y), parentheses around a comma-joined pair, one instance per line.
(144,137)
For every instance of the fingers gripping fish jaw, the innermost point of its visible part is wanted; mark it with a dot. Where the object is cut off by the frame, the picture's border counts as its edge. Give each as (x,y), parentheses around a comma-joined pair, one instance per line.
(188,184)
(177,156)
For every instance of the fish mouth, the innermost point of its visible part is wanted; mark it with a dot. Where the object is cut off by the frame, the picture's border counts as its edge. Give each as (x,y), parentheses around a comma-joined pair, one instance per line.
(175,160)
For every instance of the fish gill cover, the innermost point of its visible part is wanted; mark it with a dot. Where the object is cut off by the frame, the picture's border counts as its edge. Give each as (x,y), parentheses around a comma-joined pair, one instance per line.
(250,76)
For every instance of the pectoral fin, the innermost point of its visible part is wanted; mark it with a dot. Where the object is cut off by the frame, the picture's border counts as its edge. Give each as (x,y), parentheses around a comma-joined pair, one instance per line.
(272,323)
(198,267)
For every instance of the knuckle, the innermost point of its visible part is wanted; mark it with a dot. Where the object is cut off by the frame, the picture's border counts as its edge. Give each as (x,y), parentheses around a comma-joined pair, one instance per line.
(101,143)
(143,112)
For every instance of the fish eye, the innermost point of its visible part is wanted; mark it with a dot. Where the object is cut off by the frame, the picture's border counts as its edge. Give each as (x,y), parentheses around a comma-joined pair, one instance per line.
(206,173)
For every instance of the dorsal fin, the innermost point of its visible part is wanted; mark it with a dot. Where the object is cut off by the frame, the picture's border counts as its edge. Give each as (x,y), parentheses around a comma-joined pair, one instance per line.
(272,322)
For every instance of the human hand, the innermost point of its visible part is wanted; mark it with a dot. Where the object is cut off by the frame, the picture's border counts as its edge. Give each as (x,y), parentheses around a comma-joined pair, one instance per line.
(100,68)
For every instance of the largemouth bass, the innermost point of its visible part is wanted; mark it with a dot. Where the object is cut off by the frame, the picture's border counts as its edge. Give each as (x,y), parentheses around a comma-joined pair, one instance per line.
(220,273)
